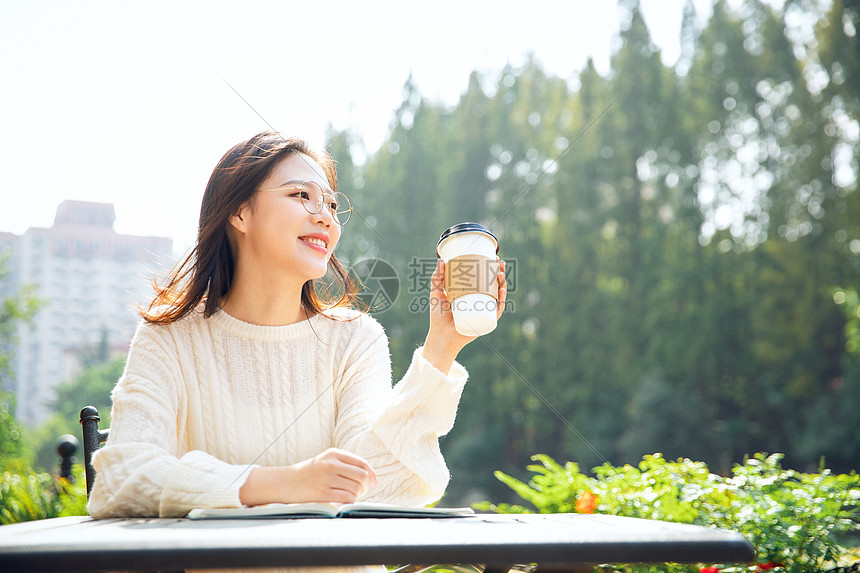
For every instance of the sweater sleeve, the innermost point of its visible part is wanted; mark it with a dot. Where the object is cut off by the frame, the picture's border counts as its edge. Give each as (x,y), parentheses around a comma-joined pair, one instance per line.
(397,429)
(139,471)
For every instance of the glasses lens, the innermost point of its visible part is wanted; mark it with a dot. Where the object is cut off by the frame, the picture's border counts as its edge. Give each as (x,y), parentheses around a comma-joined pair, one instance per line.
(312,197)
(341,208)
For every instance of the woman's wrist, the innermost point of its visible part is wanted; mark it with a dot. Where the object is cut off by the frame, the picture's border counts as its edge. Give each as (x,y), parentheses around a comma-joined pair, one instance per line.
(262,486)
(250,492)
(439,354)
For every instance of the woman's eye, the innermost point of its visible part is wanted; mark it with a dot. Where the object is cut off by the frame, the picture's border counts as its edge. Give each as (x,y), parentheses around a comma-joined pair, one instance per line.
(333,206)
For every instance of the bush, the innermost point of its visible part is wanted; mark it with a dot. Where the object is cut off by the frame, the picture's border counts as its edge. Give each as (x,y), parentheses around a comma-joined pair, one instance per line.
(792,519)
(12,444)
(26,495)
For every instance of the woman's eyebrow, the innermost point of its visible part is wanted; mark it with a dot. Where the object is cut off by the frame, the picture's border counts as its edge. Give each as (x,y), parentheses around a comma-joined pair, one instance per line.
(327,187)
(290,182)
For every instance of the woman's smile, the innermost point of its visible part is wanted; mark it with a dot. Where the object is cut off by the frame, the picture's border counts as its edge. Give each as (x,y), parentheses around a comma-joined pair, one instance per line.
(315,242)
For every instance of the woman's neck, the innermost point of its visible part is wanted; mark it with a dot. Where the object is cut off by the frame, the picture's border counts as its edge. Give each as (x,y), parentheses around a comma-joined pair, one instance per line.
(261,303)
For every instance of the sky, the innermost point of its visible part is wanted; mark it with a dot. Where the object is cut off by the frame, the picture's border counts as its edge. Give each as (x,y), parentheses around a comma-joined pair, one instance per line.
(131,104)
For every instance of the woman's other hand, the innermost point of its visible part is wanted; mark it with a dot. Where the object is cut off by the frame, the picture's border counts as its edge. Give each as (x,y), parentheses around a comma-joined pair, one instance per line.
(334,476)
(443,342)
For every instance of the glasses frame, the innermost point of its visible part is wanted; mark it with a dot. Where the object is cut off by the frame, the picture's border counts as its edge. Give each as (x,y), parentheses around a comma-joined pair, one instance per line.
(337,196)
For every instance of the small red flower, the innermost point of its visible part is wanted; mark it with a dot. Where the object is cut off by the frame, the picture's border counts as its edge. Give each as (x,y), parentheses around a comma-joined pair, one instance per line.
(709,570)
(768,566)
(587,502)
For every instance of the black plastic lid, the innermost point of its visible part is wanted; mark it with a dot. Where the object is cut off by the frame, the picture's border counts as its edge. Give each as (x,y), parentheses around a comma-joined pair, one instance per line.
(466,228)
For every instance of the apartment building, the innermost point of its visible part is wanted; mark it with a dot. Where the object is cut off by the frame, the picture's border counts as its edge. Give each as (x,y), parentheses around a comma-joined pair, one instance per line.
(91,280)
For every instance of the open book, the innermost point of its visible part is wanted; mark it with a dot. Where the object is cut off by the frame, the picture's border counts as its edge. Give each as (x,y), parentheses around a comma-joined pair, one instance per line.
(296,510)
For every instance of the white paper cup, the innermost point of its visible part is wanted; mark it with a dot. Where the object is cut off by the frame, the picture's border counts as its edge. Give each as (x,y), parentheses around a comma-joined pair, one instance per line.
(475,248)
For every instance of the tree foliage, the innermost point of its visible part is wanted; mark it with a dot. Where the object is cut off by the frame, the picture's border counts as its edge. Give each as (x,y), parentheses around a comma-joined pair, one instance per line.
(14,309)
(13,446)
(91,387)
(19,307)
(680,237)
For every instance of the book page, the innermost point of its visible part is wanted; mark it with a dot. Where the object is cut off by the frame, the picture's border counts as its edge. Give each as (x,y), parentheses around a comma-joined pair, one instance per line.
(370,509)
(268,510)
(302,510)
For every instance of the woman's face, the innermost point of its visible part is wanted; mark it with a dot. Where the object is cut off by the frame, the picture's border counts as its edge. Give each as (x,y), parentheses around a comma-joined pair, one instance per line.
(277,232)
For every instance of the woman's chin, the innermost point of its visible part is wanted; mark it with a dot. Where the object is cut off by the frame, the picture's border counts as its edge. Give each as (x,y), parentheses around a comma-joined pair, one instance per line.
(316,274)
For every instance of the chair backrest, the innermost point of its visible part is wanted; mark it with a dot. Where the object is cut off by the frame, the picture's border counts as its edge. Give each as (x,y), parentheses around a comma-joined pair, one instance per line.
(92,438)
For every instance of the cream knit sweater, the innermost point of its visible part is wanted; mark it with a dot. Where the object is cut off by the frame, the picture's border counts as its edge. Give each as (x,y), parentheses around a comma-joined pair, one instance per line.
(202,401)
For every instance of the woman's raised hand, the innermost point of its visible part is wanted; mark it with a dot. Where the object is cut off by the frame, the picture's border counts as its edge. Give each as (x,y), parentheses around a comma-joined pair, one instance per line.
(443,342)
(334,475)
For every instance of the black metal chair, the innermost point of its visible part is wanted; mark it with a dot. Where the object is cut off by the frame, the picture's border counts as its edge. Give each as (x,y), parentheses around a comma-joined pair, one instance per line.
(67,445)
(93,438)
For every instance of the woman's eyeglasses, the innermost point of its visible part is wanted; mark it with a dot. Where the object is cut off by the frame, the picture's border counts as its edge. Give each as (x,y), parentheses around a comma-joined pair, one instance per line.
(314,198)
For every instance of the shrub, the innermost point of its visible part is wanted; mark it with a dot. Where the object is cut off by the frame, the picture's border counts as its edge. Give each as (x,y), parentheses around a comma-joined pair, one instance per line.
(792,519)
(26,495)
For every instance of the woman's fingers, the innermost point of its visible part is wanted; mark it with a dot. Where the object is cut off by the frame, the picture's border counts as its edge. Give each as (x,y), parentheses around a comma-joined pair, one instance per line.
(503,288)
(343,471)
(437,281)
(356,467)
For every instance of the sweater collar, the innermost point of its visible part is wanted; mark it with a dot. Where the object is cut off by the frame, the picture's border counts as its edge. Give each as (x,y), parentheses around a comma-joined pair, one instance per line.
(296,331)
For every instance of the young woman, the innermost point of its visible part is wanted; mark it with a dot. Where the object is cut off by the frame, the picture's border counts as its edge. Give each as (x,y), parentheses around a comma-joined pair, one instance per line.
(243,386)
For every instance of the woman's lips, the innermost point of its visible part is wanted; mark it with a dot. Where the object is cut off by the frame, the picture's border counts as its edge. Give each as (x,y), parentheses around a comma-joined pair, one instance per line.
(314,243)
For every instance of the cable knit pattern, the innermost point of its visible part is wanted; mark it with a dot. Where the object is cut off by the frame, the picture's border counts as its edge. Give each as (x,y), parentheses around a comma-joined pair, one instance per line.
(202,401)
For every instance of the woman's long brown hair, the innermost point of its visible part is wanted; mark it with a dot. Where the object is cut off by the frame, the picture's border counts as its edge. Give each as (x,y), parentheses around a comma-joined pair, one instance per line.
(206,273)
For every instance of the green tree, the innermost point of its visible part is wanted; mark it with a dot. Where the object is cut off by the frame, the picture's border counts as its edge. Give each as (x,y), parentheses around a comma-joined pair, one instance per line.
(91,387)
(14,450)
(678,233)
(19,307)
(15,309)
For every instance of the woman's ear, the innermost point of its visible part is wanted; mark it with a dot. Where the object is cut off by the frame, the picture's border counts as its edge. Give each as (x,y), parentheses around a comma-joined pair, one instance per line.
(239,220)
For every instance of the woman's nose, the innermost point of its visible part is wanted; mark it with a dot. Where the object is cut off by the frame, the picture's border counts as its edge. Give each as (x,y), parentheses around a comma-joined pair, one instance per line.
(325,216)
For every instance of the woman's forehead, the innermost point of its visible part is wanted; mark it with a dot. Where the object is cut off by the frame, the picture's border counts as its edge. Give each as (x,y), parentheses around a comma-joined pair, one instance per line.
(297,166)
